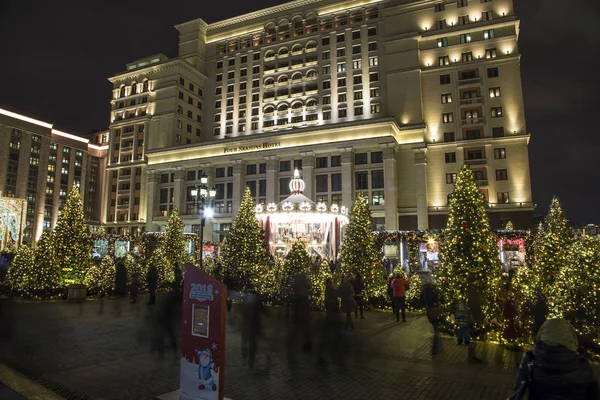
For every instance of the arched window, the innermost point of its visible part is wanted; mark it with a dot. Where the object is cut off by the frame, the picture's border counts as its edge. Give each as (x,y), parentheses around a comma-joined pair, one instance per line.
(145,86)
(269,54)
(122,91)
(311,74)
(297,105)
(296,48)
(269,109)
(311,103)
(283,52)
(282,107)
(311,46)
(269,81)
(282,79)
(133,87)
(297,76)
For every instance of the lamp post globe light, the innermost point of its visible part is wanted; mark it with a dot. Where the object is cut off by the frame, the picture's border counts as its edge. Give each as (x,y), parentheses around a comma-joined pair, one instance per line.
(203,203)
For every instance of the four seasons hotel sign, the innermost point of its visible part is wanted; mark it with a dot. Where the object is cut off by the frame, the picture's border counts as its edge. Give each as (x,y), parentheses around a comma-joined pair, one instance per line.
(260,146)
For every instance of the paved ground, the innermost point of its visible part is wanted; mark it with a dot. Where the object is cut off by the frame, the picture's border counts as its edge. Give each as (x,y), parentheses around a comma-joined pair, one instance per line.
(99,350)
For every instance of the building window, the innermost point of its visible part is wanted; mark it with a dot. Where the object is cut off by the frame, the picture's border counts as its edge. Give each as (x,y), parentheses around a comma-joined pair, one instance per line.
(341,82)
(490,53)
(446,98)
(360,158)
(503,197)
(466,57)
(441,24)
(342,113)
(448,137)
(495,92)
(498,132)
(254,125)
(465,38)
(487,16)
(340,37)
(361,180)
(377,181)
(326,115)
(462,3)
(325,41)
(442,42)
(358,110)
(501,175)
(451,177)
(325,55)
(219,77)
(372,46)
(444,60)
(373,76)
(438,7)
(373,61)
(375,108)
(496,112)
(322,183)
(376,157)
(285,166)
(357,64)
(444,79)
(489,34)
(341,67)
(448,117)
(463,20)
(358,95)
(450,157)
(326,70)
(342,97)
(216,131)
(256,69)
(473,134)
(321,162)
(356,49)
(492,72)
(500,153)
(251,169)
(374,92)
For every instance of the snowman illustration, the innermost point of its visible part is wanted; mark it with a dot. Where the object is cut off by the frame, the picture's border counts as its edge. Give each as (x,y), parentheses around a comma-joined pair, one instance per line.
(208,371)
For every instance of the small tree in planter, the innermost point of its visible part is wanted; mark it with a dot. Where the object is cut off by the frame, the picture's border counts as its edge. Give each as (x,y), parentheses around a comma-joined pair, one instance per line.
(47,272)
(21,271)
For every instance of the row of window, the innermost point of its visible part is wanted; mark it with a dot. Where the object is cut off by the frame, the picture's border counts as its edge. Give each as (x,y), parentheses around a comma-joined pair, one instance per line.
(501,175)
(465,20)
(474,134)
(438,7)
(499,154)
(467,57)
(471,116)
(467,38)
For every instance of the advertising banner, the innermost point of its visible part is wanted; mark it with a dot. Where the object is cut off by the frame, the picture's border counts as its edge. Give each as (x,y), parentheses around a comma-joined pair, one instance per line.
(202,337)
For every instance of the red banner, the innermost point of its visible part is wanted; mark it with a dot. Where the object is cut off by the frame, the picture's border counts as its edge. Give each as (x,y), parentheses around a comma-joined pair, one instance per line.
(202,337)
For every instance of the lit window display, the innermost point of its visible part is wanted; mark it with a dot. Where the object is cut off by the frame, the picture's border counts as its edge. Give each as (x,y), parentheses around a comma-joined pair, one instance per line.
(428,255)
(511,253)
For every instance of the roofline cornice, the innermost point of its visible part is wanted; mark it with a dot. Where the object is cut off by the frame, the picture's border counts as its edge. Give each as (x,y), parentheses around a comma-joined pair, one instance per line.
(177,62)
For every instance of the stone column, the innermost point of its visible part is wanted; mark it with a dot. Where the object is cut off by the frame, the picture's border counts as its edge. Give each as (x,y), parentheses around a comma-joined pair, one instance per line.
(152,193)
(239,183)
(389,176)
(272,178)
(179,190)
(209,170)
(308,168)
(347,176)
(421,188)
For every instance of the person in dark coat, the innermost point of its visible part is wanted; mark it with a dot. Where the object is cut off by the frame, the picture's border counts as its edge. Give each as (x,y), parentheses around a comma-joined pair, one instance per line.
(252,309)
(430,298)
(121,279)
(358,285)
(135,286)
(178,284)
(539,311)
(152,281)
(554,370)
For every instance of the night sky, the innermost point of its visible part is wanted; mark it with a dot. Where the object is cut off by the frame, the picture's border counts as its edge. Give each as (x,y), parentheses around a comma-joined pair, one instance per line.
(56,56)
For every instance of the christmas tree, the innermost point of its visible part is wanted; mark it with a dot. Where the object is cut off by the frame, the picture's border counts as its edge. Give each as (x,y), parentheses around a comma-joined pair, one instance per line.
(296,262)
(72,242)
(509,226)
(359,251)
(470,268)
(164,270)
(47,272)
(245,252)
(413,294)
(553,252)
(108,271)
(577,287)
(318,277)
(174,240)
(93,276)
(21,271)
(135,266)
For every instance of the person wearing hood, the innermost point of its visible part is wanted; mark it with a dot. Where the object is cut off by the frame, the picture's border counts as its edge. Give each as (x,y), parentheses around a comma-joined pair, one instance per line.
(554,370)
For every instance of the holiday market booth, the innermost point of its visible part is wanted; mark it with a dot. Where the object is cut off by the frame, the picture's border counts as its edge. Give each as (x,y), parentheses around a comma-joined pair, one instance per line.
(299,218)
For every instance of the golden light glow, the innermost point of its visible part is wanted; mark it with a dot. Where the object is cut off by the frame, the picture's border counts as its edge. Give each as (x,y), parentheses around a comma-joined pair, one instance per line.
(69,136)
(96,147)
(332,10)
(24,118)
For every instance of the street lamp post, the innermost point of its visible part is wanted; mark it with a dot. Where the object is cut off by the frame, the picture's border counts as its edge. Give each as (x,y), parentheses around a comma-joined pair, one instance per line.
(203,196)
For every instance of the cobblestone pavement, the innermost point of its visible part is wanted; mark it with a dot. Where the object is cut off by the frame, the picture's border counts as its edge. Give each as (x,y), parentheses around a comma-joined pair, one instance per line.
(100,350)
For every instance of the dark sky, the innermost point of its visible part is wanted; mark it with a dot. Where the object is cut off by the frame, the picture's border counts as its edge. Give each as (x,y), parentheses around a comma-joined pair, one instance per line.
(55,57)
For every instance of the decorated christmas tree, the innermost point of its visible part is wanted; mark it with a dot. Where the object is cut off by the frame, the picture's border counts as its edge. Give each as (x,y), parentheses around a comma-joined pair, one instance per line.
(413,294)
(318,276)
(509,226)
(164,270)
(72,242)
(296,262)
(108,271)
(577,287)
(245,252)
(93,276)
(553,252)
(136,266)
(174,240)
(359,252)
(47,270)
(21,271)
(470,268)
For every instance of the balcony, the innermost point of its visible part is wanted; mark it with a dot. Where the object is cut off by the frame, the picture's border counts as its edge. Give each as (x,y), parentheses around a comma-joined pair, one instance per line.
(284,83)
(310,49)
(295,53)
(123,206)
(470,81)
(125,177)
(482,182)
(123,192)
(310,63)
(269,86)
(472,100)
(477,161)
(268,128)
(268,115)
(127,134)
(310,78)
(311,108)
(282,112)
(473,121)
(269,58)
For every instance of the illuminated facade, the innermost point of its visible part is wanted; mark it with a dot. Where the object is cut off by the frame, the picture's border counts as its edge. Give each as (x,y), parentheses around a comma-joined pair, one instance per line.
(41,164)
(387,98)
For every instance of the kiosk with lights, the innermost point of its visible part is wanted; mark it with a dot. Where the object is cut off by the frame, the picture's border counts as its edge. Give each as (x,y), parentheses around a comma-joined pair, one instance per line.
(299,218)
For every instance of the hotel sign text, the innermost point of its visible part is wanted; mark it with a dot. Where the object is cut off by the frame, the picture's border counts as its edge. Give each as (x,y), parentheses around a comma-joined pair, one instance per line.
(256,147)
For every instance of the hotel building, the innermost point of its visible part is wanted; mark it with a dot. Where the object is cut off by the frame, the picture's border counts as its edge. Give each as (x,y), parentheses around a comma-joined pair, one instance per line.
(388,98)
(41,164)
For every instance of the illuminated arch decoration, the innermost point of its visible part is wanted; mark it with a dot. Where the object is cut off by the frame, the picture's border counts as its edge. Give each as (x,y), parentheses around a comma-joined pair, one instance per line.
(299,218)
(12,221)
